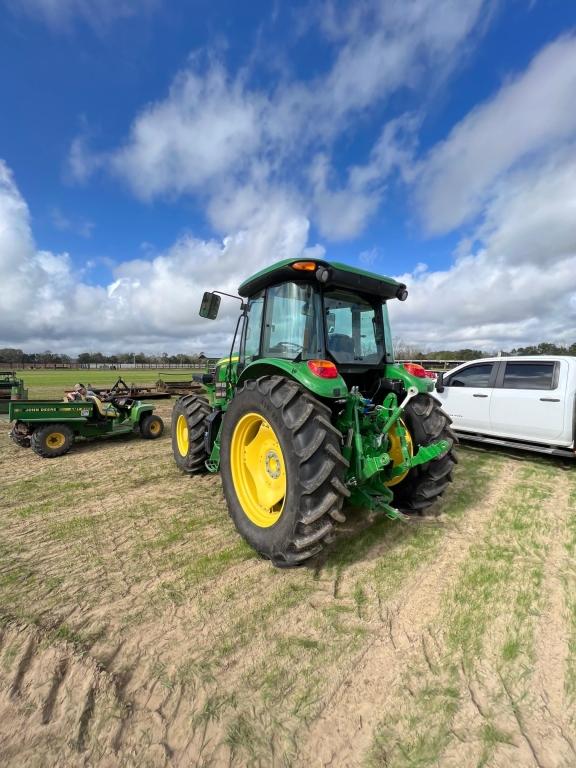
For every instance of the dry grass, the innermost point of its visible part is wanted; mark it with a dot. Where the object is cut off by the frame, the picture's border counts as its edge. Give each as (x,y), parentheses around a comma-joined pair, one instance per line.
(137,629)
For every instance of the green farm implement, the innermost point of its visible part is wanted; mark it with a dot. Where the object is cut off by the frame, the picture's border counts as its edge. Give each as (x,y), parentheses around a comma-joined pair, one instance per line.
(11,388)
(310,411)
(50,427)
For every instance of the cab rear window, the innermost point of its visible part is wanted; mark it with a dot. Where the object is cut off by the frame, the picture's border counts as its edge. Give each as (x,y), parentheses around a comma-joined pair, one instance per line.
(529,376)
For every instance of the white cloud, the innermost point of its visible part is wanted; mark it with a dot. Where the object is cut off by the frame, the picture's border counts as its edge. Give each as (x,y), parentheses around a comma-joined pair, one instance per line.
(514,281)
(530,114)
(215,137)
(60,14)
(151,305)
(207,127)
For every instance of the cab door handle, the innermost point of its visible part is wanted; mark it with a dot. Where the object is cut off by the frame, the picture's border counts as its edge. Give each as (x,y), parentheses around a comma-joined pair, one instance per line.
(476,395)
(550,399)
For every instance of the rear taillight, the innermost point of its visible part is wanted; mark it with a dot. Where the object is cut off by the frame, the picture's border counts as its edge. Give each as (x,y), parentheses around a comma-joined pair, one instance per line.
(323,368)
(416,370)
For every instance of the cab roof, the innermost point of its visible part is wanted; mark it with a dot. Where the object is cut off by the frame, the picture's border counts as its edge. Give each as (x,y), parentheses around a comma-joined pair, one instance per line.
(329,274)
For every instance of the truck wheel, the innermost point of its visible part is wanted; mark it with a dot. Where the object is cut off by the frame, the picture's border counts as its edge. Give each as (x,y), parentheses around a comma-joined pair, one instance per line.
(188,426)
(422,486)
(151,427)
(52,440)
(282,469)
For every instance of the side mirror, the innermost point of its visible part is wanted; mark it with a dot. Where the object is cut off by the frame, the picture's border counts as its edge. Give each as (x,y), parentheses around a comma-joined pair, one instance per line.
(331,321)
(210,306)
(440,383)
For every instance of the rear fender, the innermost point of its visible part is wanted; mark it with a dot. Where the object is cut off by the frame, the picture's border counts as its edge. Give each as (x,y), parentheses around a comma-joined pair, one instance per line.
(397,372)
(322,388)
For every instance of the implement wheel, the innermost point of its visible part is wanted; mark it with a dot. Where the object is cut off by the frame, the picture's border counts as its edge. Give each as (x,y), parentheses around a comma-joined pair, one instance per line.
(426,423)
(188,426)
(151,427)
(52,440)
(282,469)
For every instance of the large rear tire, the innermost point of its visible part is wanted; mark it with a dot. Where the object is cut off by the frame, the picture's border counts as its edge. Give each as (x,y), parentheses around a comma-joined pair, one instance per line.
(52,440)
(188,427)
(282,470)
(424,485)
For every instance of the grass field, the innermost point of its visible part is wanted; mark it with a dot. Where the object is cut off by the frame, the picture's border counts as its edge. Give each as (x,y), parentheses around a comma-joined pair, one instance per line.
(137,629)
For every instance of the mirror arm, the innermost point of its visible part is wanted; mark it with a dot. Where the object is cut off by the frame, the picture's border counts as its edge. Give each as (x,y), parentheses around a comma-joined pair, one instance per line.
(232,296)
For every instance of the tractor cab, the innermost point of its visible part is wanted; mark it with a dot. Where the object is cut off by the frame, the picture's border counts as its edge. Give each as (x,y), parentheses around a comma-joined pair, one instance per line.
(330,317)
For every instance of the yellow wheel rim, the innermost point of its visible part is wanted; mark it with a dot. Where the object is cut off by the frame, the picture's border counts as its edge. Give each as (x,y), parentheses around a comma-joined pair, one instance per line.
(395,451)
(182,438)
(55,440)
(155,428)
(258,470)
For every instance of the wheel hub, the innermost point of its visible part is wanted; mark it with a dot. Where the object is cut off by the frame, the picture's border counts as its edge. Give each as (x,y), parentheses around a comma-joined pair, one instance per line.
(272,463)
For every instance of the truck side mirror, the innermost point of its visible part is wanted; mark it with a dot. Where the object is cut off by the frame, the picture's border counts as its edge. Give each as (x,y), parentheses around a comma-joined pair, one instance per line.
(440,383)
(210,305)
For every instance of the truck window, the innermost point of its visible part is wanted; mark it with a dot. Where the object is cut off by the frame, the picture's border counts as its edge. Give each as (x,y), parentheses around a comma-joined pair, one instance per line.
(474,376)
(529,376)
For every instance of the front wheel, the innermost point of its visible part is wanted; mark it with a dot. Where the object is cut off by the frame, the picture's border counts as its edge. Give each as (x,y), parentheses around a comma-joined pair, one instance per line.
(422,486)
(189,422)
(52,440)
(282,469)
(151,427)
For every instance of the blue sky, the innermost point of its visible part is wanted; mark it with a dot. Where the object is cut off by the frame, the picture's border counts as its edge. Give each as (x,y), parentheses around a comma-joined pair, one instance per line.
(150,150)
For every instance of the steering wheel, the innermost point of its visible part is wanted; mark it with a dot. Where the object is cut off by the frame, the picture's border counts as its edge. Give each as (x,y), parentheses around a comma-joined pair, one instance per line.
(288,345)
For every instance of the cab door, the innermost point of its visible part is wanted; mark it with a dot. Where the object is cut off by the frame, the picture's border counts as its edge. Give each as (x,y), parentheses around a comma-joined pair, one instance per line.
(467,394)
(528,402)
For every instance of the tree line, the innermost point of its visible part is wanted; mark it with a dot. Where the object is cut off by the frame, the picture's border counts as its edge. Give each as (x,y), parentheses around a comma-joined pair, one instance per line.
(18,356)
(402,351)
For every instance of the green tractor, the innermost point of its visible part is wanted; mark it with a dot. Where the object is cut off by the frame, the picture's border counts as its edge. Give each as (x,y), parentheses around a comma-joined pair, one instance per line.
(310,411)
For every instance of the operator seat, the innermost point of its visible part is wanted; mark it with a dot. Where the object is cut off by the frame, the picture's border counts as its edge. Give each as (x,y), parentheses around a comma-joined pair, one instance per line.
(106,410)
(341,345)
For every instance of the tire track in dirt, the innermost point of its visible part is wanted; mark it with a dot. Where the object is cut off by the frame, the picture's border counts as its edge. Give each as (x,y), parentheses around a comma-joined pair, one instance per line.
(344,729)
(548,715)
(492,694)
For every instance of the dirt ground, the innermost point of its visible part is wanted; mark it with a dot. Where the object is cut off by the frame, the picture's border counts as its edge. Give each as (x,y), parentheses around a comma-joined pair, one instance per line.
(137,629)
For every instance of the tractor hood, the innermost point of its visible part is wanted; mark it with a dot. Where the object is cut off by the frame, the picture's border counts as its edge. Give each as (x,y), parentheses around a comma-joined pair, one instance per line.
(325,273)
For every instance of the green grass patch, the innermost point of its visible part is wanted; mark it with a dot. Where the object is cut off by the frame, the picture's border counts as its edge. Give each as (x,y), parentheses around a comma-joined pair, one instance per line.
(73,529)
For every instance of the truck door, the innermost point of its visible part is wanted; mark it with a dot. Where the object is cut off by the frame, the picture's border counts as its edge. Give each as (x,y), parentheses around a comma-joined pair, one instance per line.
(466,398)
(528,401)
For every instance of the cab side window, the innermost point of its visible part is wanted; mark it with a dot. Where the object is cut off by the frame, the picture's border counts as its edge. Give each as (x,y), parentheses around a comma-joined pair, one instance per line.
(477,376)
(254,320)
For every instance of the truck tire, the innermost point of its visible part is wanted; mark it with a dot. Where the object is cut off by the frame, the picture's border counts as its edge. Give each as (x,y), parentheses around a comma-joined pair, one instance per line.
(52,440)
(282,470)
(422,487)
(151,427)
(188,426)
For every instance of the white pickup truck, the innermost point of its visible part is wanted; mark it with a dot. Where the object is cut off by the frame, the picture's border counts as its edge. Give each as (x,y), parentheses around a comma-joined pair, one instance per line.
(524,402)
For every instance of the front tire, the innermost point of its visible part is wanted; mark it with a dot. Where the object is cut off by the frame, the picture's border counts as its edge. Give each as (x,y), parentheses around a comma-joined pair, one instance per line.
(52,440)
(282,470)
(424,485)
(189,417)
